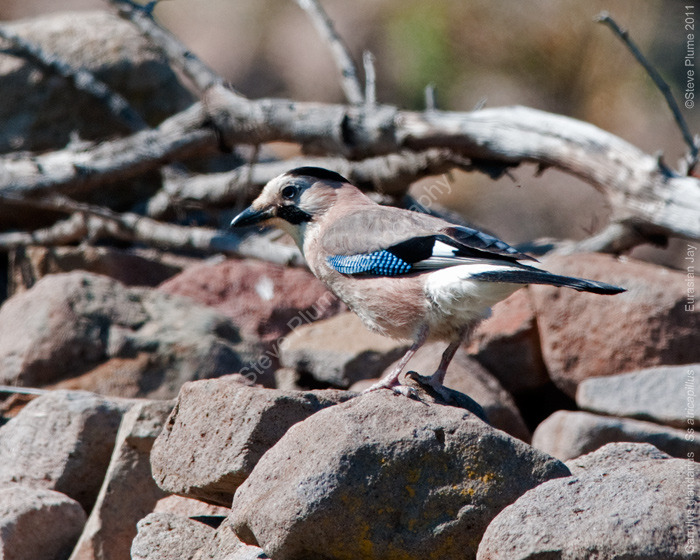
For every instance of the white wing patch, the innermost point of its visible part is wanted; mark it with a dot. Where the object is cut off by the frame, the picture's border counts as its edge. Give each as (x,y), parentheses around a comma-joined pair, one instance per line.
(441,249)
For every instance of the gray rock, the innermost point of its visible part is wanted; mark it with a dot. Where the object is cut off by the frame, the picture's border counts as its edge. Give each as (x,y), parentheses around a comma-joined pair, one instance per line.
(637,512)
(219,430)
(225,545)
(339,351)
(37,524)
(128,492)
(614,455)
(384,476)
(567,435)
(61,441)
(656,394)
(69,323)
(166,536)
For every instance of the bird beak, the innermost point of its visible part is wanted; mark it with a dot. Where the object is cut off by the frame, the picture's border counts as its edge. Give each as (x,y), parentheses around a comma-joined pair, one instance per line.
(250,216)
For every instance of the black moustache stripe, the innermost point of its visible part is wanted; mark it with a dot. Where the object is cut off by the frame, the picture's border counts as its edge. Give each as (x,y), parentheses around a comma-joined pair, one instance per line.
(293,215)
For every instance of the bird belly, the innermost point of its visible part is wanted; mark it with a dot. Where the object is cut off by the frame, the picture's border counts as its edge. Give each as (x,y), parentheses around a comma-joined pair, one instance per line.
(457,300)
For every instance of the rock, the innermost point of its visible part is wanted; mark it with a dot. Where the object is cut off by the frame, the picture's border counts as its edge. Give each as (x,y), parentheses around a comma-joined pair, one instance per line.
(660,394)
(638,511)
(587,335)
(188,507)
(507,344)
(614,455)
(384,476)
(61,441)
(227,546)
(219,430)
(77,322)
(128,492)
(131,267)
(467,376)
(264,300)
(37,524)
(52,109)
(339,351)
(566,435)
(166,536)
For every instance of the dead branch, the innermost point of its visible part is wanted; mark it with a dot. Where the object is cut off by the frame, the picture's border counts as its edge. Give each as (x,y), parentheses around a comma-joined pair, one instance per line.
(346,67)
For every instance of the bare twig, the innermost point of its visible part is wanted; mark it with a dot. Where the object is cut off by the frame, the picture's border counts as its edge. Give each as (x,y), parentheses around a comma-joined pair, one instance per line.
(370,79)
(201,76)
(81,80)
(605,18)
(430,103)
(348,71)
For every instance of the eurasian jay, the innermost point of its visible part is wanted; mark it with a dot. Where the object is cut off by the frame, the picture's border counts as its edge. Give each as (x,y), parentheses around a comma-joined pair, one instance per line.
(408,275)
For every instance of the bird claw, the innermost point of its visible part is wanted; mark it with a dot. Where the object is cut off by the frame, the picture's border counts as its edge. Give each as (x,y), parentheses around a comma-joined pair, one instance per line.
(394,386)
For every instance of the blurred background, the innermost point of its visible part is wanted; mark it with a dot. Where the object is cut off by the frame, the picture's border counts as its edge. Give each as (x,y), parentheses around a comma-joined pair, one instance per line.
(547,55)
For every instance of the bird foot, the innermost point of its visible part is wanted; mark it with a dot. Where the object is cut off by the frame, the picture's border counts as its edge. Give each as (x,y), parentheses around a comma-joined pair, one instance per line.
(392,385)
(432,383)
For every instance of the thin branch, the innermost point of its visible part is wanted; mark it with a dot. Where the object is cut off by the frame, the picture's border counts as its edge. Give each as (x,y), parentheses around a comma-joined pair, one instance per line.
(81,79)
(201,76)
(370,79)
(348,71)
(430,102)
(605,18)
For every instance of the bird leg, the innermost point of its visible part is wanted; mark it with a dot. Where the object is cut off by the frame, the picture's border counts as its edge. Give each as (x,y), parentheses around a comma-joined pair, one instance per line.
(436,380)
(391,380)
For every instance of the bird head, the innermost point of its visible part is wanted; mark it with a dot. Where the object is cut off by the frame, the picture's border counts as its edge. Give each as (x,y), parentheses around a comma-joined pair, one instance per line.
(293,200)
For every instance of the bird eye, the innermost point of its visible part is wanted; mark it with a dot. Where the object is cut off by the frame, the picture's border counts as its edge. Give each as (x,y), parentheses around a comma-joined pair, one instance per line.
(289,192)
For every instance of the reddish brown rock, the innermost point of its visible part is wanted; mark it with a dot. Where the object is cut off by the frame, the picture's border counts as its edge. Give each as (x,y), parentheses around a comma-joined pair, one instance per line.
(264,300)
(219,430)
(188,507)
(507,344)
(37,524)
(587,335)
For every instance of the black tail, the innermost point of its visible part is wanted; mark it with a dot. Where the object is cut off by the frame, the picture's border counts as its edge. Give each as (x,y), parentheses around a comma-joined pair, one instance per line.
(534,276)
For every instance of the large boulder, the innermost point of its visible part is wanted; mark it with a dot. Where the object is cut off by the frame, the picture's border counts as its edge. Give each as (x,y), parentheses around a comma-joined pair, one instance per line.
(587,335)
(166,536)
(37,523)
(569,434)
(219,430)
(638,510)
(665,395)
(61,441)
(78,322)
(384,476)
(225,545)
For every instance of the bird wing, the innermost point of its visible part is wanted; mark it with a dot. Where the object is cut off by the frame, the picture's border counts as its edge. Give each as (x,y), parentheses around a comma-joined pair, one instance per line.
(388,241)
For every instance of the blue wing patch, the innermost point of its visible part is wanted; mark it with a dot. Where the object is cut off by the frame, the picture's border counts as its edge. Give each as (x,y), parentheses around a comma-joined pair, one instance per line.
(380,263)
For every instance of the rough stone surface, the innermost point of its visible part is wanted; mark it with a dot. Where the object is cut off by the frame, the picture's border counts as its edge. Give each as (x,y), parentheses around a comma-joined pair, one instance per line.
(61,441)
(467,376)
(587,335)
(52,108)
(339,351)
(655,394)
(567,435)
(508,344)
(614,455)
(219,430)
(166,536)
(633,512)
(384,476)
(70,323)
(37,524)
(227,546)
(264,300)
(128,492)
